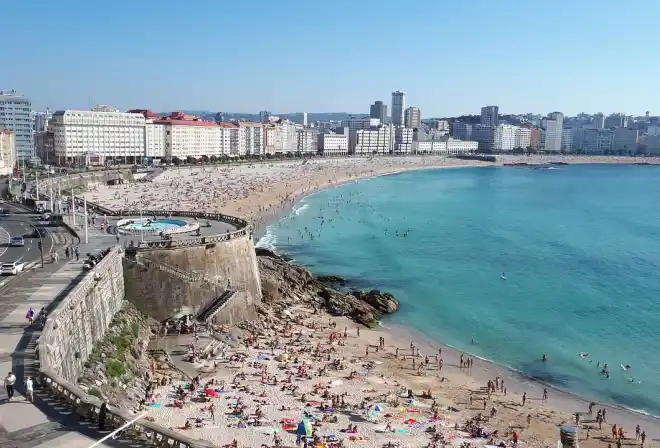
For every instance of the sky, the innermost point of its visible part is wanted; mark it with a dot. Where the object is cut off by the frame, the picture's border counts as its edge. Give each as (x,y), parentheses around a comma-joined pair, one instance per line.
(450,57)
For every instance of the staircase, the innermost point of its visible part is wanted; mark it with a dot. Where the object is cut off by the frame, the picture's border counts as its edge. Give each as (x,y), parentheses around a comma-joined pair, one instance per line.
(213,307)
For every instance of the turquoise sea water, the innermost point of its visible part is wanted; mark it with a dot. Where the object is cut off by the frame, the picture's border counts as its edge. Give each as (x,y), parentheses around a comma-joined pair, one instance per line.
(580,246)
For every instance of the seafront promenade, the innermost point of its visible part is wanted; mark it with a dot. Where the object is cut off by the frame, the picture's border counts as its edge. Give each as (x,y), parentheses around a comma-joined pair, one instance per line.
(42,423)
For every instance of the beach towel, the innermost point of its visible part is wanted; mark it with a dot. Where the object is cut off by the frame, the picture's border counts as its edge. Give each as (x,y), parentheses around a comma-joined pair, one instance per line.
(289,427)
(410,421)
(155,405)
(400,431)
(270,430)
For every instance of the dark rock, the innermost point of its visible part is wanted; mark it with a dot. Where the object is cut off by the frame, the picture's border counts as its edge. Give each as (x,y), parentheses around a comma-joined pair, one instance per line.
(283,284)
(331,279)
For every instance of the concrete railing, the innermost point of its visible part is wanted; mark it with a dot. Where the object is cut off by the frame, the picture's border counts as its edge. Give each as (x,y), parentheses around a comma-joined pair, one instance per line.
(85,405)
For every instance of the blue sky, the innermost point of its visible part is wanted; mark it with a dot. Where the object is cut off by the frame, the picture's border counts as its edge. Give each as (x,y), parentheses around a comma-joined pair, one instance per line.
(288,56)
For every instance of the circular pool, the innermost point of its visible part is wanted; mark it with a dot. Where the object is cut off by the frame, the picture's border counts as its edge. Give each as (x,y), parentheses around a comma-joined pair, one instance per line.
(153,224)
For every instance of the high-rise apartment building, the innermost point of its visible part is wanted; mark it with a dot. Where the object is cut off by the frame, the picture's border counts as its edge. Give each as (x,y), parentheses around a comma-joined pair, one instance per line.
(412,118)
(398,108)
(308,141)
(16,116)
(7,152)
(378,110)
(264,116)
(41,120)
(403,139)
(490,116)
(599,121)
(461,130)
(553,127)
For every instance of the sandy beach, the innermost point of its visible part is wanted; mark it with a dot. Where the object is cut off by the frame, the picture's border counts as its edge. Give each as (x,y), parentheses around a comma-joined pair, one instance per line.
(296,365)
(249,372)
(261,192)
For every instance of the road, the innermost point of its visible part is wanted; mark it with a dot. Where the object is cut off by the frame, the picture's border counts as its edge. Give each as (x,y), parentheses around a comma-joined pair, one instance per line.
(15,224)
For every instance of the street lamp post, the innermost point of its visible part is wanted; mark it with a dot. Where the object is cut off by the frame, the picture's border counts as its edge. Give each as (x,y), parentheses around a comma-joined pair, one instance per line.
(86,237)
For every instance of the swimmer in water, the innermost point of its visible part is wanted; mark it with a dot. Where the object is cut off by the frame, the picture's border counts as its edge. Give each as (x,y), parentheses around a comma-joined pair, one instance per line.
(545,357)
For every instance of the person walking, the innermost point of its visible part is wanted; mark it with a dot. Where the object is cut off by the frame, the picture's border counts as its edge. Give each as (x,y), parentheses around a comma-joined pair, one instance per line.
(10,380)
(29,389)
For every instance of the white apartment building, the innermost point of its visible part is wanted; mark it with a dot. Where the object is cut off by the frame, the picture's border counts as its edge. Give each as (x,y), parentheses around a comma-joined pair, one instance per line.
(7,152)
(440,125)
(189,137)
(430,146)
(333,144)
(281,137)
(366,142)
(447,145)
(412,117)
(504,138)
(523,138)
(455,146)
(308,141)
(154,140)
(403,140)
(354,123)
(245,138)
(115,135)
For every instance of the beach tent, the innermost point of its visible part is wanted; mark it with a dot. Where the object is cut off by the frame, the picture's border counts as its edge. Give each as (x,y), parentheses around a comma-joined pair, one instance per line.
(304,428)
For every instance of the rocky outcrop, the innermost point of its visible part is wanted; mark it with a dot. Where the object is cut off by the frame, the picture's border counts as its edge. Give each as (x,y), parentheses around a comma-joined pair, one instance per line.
(118,370)
(283,284)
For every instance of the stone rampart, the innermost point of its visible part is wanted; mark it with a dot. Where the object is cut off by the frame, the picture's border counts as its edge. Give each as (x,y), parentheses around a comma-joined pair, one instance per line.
(72,329)
(82,318)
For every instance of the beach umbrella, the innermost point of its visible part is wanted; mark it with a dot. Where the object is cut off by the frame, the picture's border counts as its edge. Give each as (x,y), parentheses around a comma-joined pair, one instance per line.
(304,428)
(375,408)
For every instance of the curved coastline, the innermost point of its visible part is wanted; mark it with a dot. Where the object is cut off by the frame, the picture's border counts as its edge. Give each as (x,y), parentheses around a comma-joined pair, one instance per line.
(519,380)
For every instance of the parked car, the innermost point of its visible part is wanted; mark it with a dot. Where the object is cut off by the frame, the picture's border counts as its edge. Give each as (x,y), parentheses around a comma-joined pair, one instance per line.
(11,268)
(17,241)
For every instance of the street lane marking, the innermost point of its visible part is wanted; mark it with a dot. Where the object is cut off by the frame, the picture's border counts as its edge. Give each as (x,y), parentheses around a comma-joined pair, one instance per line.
(5,238)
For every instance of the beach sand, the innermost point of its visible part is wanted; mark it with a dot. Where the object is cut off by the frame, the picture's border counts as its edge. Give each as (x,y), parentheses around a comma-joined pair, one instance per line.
(262,192)
(460,393)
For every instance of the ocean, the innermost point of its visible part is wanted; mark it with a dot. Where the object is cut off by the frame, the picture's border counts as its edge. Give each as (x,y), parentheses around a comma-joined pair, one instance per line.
(579,246)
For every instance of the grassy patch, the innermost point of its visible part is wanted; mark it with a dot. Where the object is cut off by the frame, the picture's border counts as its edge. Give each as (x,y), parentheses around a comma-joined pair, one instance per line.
(115,368)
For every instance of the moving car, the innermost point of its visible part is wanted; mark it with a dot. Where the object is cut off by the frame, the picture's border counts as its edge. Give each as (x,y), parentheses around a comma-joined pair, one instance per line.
(17,241)
(11,268)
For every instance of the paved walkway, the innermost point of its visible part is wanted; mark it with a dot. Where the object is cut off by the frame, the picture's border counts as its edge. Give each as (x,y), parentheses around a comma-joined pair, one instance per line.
(44,423)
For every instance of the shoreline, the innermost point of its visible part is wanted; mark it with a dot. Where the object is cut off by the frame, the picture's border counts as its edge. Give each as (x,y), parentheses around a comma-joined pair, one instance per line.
(269,218)
(561,399)
(275,204)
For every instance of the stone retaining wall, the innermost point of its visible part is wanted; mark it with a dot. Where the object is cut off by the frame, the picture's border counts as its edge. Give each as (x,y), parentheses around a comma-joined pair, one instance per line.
(78,322)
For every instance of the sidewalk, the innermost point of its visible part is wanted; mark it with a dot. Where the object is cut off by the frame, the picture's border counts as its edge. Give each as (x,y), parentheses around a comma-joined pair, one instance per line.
(23,424)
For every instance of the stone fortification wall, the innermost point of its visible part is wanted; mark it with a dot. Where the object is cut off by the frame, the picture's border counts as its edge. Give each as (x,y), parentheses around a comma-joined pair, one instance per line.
(82,318)
(163,282)
(80,321)
(84,180)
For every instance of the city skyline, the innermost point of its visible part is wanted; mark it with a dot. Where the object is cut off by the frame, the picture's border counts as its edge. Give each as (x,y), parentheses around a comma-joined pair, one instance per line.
(178,61)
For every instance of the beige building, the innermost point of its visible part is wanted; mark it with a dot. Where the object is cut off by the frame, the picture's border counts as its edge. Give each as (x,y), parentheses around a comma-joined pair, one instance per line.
(7,152)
